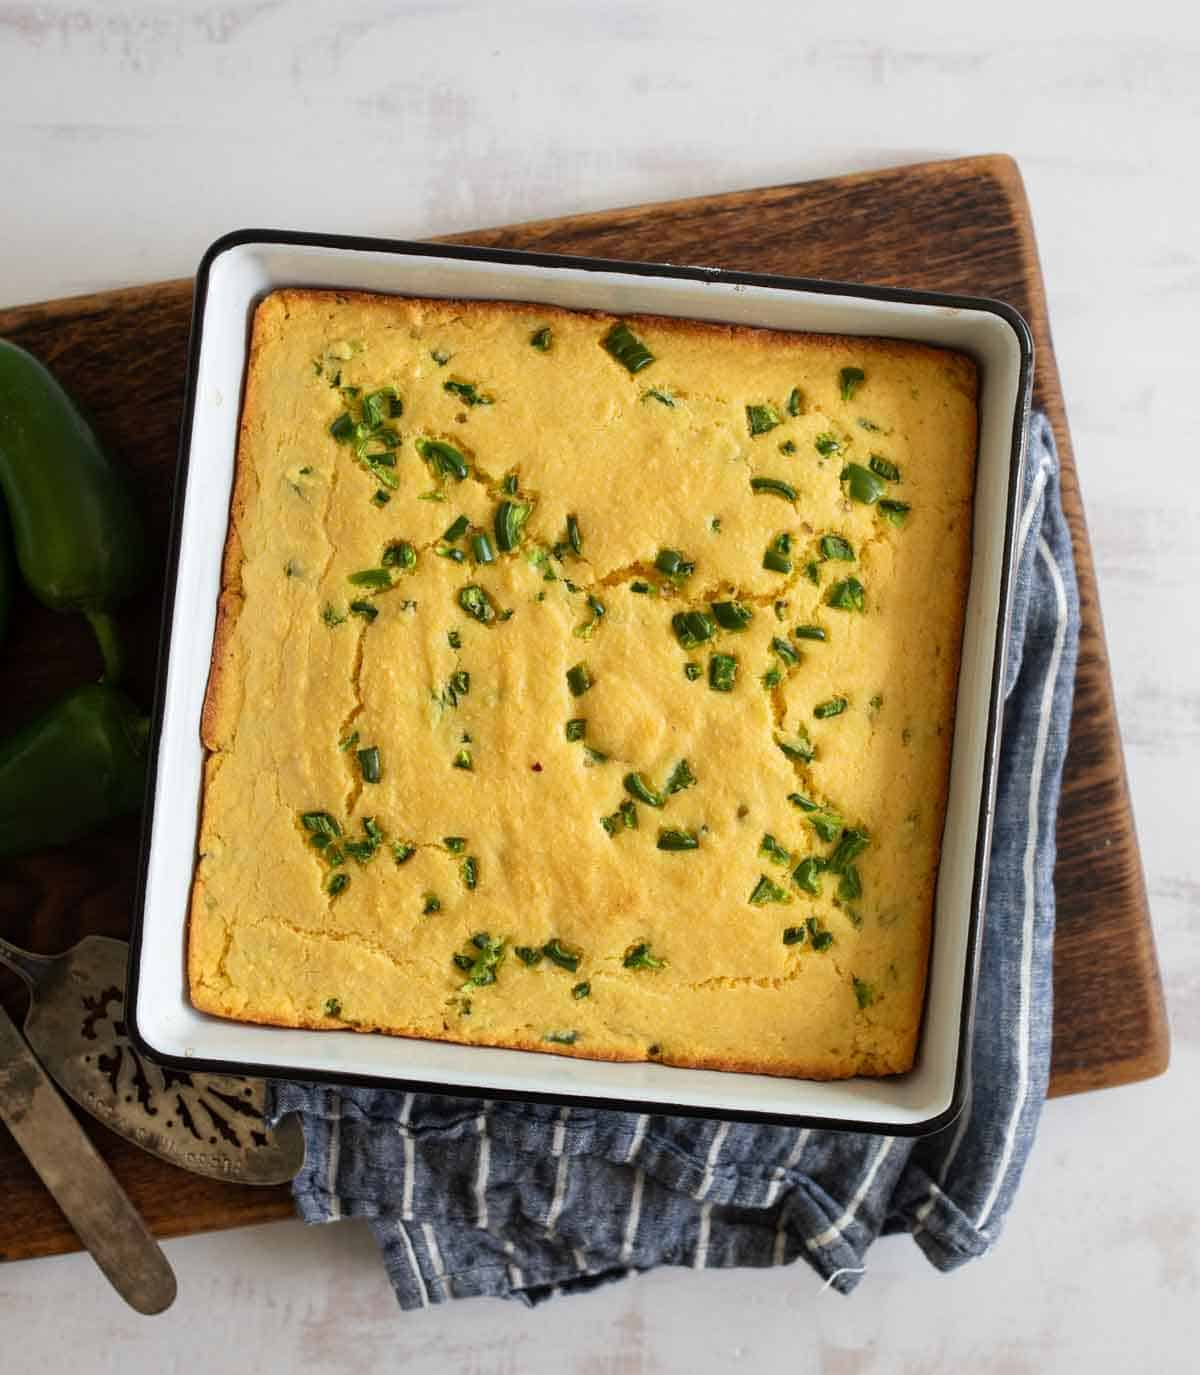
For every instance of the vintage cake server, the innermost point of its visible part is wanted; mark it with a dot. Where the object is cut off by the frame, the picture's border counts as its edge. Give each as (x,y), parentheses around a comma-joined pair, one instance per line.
(211,1124)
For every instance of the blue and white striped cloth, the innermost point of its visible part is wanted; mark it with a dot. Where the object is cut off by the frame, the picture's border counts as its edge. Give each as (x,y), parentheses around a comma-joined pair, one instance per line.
(527,1201)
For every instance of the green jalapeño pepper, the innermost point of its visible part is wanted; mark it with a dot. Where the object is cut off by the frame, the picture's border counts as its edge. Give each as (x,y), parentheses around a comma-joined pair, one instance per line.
(77,534)
(75,766)
(6,573)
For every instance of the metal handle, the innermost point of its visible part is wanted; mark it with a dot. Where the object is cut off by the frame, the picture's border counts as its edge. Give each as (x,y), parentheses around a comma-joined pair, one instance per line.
(82,1184)
(32,968)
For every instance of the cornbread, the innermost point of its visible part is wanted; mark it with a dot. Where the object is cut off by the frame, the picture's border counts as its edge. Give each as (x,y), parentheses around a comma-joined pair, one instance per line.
(584,684)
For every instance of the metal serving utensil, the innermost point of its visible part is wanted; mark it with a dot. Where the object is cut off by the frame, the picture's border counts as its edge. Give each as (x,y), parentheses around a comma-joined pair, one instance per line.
(208,1123)
(78,1179)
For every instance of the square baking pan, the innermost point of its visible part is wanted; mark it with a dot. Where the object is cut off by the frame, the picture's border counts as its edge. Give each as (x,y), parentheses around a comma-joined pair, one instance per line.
(235,274)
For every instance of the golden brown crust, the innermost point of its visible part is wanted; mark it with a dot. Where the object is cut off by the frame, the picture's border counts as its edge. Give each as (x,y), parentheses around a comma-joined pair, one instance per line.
(797,1068)
(758,336)
(222,671)
(246,926)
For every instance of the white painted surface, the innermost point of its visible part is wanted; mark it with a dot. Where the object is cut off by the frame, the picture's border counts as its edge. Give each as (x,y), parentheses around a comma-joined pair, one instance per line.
(132,134)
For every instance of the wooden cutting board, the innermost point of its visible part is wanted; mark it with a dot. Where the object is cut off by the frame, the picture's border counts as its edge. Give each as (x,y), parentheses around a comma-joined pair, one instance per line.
(960,226)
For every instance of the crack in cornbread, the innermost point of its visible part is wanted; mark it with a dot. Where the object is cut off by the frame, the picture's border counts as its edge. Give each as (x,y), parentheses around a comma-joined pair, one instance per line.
(584,684)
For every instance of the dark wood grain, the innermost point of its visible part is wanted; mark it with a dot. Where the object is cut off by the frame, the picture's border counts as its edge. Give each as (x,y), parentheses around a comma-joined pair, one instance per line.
(959,226)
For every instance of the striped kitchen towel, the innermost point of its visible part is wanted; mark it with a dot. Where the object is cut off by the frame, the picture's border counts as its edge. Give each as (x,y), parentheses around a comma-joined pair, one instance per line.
(526,1200)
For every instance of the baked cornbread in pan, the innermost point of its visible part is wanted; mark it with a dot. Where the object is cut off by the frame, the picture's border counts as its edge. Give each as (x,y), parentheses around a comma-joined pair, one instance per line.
(584,684)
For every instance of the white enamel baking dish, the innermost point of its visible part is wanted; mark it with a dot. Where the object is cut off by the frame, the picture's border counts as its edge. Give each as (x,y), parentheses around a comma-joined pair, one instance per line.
(234,274)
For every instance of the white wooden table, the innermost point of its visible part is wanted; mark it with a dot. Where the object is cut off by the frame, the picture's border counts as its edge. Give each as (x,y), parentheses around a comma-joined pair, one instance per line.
(131,134)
